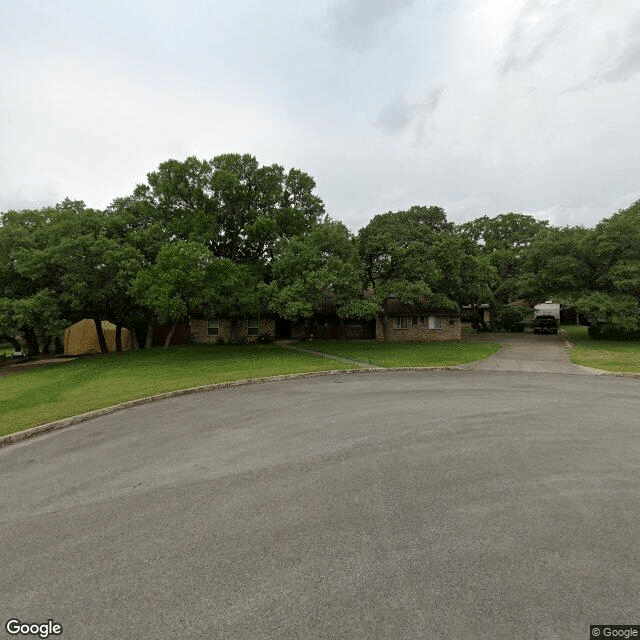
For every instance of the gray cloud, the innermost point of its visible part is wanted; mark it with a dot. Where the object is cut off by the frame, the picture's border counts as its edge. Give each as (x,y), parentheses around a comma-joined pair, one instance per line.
(626,61)
(361,24)
(386,104)
(400,114)
(538,27)
(601,42)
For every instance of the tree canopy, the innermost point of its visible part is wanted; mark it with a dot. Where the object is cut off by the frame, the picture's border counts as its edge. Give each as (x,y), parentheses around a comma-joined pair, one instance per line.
(596,271)
(237,208)
(229,235)
(502,242)
(310,267)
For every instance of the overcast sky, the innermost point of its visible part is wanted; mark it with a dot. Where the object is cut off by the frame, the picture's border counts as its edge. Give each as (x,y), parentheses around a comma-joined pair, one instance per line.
(479,106)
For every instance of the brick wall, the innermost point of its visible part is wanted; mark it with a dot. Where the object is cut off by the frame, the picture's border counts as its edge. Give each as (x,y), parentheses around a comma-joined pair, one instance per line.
(200,334)
(420,332)
(413,332)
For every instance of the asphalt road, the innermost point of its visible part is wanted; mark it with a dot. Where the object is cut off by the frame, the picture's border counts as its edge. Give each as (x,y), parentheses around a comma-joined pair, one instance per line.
(436,505)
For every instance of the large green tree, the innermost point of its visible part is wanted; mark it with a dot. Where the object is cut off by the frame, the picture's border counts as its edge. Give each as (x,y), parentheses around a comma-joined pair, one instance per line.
(308,268)
(503,241)
(60,266)
(237,208)
(186,276)
(559,264)
(414,256)
(596,271)
(30,280)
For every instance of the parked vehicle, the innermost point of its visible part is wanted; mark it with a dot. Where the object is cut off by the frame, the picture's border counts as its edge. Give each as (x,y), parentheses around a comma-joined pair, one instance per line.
(545,324)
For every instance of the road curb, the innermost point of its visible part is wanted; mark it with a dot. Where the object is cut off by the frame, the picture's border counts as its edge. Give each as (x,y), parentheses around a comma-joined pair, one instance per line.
(48,427)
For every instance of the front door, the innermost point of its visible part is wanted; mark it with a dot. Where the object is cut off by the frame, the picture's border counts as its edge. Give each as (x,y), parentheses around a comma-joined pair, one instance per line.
(283,329)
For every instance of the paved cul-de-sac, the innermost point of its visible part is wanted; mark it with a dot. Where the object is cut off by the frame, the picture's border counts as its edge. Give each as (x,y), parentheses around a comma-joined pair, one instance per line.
(444,504)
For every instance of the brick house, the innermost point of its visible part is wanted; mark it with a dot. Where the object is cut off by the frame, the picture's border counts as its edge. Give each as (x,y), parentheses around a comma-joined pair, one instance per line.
(324,324)
(405,323)
(210,328)
(408,323)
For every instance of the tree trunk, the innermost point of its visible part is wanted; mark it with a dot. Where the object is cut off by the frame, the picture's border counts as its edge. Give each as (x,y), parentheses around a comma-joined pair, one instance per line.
(478,319)
(11,340)
(148,341)
(119,337)
(493,324)
(46,345)
(385,327)
(134,337)
(59,347)
(31,338)
(101,339)
(167,342)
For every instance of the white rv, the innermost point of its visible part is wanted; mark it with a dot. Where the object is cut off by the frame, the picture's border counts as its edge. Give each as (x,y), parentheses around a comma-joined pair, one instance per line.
(547,308)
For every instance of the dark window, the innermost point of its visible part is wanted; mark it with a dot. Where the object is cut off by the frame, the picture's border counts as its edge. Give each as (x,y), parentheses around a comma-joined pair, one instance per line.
(400,322)
(253,325)
(213,326)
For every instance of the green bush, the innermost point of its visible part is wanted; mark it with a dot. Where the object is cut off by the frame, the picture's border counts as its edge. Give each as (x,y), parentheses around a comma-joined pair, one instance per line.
(604,331)
(512,318)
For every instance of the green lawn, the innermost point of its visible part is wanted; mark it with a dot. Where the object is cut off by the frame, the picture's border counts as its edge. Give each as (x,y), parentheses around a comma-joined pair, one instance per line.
(71,387)
(406,354)
(611,355)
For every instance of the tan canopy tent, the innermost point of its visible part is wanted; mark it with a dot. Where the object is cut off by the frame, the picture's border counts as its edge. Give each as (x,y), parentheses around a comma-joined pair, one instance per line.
(81,338)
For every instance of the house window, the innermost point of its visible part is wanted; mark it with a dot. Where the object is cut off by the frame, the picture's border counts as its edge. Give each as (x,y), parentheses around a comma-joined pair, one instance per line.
(213,326)
(355,331)
(435,322)
(417,320)
(253,325)
(400,322)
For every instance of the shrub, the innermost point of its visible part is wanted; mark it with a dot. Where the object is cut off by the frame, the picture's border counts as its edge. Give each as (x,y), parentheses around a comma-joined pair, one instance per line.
(512,318)
(604,331)
(265,338)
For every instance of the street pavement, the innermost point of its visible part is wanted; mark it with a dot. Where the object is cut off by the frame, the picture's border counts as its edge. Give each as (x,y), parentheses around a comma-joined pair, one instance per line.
(439,505)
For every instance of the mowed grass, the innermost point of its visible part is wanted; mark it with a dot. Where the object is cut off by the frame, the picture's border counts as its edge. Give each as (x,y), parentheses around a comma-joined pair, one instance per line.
(72,387)
(406,354)
(610,355)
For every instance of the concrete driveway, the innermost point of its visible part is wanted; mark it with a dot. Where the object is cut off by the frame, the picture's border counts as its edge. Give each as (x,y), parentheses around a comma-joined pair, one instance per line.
(527,352)
(438,505)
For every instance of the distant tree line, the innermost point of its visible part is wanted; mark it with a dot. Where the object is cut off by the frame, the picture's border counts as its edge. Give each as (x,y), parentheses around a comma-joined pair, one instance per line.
(228,235)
